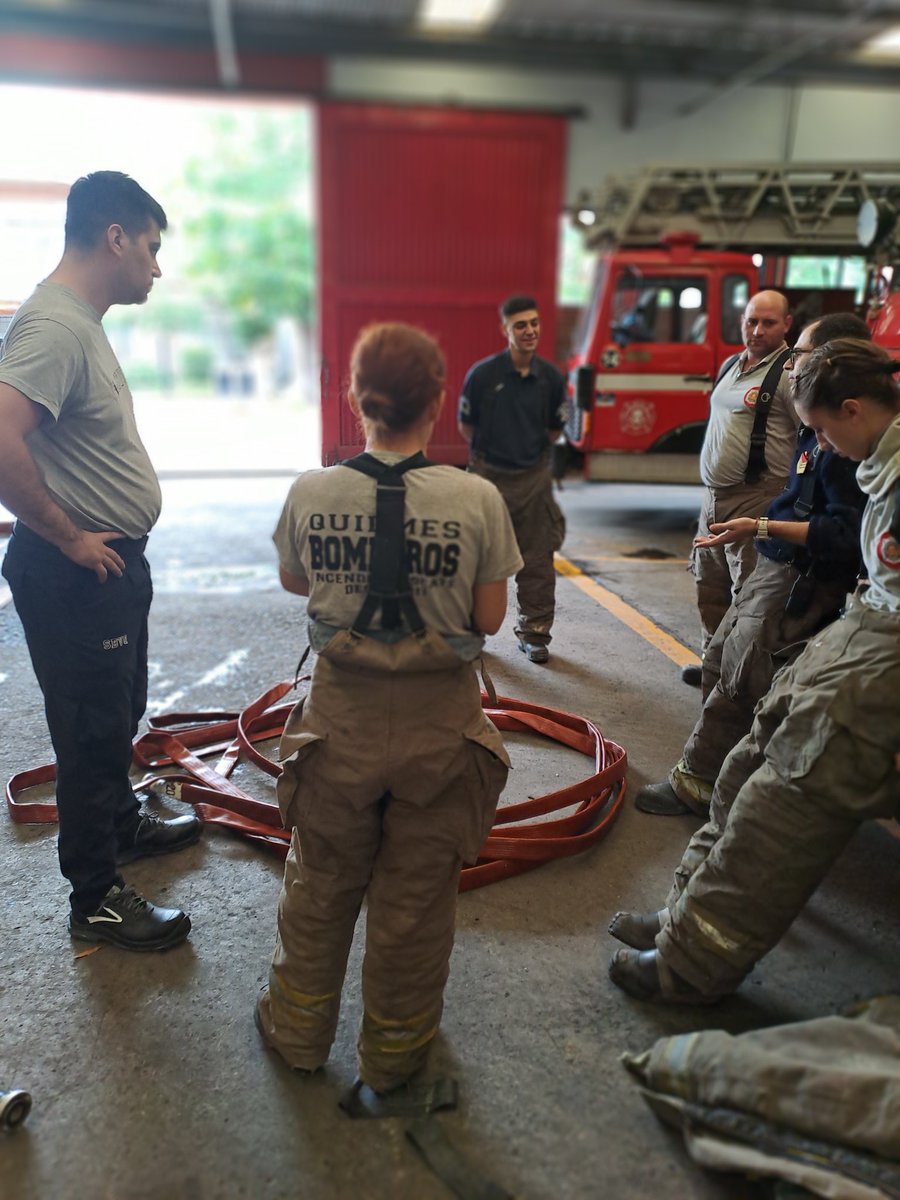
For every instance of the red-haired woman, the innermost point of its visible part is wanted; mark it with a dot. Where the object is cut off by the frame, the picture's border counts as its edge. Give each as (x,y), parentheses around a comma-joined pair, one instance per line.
(391,770)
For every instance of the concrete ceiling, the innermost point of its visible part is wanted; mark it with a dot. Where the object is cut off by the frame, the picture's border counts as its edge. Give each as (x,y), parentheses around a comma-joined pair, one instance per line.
(745,41)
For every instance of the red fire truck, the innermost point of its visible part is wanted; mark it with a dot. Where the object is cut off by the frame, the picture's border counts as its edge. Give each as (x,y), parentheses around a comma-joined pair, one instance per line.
(878,234)
(681,251)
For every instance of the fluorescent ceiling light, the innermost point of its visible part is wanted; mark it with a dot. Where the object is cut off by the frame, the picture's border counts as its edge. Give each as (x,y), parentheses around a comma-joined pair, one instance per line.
(468,13)
(887,43)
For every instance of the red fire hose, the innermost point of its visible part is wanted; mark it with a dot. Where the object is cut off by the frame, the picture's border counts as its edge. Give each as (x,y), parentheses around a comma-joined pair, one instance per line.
(518,841)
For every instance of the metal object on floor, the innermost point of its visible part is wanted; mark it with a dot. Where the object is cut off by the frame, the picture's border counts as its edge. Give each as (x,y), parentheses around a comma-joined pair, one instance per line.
(14,1108)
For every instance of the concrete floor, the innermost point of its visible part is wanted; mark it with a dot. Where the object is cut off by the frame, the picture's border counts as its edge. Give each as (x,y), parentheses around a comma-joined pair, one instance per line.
(148,1078)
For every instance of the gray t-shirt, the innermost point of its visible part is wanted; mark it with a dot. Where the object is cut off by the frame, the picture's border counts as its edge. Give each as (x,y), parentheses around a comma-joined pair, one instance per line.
(90,455)
(458,534)
(879,477)
(732,408)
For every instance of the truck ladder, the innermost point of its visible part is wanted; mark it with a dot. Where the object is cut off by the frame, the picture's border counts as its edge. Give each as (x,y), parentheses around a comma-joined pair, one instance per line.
(773,207)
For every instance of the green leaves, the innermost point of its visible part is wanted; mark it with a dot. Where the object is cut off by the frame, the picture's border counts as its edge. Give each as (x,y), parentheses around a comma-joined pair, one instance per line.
(248,225)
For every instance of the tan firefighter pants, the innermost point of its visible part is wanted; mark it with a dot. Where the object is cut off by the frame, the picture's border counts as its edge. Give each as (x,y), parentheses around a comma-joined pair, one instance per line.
(818,761)
(540,529)
(719,571)
(749,1102)
(391,783)
(755,639)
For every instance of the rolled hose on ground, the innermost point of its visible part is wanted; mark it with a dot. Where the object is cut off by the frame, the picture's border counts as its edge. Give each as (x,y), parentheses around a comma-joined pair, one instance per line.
(518,841)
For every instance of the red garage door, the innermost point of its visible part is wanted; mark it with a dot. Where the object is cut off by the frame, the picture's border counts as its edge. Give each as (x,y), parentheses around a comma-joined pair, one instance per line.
(431,216)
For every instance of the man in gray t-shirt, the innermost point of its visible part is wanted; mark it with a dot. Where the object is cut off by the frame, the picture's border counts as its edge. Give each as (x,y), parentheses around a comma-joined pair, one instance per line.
(725,457)
(75,473)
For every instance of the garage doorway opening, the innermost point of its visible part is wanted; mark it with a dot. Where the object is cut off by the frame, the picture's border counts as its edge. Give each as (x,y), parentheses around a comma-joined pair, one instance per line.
(221,360)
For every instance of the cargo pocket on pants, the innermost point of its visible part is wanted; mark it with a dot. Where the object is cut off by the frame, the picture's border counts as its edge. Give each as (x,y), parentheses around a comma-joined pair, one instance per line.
(485,779)
(557,524)
(293,793)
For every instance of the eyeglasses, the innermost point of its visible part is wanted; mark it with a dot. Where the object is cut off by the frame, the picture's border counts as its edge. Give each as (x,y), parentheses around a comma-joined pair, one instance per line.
(791,360)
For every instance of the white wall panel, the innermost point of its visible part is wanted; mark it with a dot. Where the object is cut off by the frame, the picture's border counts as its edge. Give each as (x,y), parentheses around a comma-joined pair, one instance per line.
(754,124)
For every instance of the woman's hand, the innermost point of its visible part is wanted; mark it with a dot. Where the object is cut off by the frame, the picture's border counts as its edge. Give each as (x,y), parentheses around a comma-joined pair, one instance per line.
(725,533)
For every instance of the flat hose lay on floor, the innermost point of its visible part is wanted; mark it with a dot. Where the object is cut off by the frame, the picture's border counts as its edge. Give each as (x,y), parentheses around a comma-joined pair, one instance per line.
(179,740)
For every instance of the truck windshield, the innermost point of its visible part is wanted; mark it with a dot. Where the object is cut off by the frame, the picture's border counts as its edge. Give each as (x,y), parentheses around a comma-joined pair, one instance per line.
(659,308)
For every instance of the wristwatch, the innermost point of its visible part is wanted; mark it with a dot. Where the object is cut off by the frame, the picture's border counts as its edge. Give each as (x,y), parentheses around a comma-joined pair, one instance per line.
(762,528)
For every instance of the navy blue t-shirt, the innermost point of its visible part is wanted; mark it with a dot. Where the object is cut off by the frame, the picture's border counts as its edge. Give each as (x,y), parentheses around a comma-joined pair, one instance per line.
(511,412)
(834,521)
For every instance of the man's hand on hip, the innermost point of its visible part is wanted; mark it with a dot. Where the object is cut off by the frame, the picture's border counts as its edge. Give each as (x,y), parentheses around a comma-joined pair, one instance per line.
(90,550)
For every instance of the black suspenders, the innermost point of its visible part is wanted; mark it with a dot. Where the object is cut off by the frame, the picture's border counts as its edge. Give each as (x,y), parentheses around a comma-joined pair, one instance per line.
(756,462)
(389,587)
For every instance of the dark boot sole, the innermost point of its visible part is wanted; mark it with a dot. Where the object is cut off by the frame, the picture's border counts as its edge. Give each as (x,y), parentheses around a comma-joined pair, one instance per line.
(174,937)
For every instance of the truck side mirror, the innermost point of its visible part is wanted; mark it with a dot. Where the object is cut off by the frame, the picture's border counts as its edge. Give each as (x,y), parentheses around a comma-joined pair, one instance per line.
(585,387)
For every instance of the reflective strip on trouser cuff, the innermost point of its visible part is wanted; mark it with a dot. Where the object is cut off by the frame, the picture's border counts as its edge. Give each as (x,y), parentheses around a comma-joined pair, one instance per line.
(390,1051)
(698,926)
(690,789)
(394,1037)
(305,1009)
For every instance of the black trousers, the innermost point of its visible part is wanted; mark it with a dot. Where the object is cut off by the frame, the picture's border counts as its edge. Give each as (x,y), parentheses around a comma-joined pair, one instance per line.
(88,646)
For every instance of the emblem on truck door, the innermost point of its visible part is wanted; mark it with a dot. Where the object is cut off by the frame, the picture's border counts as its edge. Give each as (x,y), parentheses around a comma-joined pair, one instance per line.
(637,417)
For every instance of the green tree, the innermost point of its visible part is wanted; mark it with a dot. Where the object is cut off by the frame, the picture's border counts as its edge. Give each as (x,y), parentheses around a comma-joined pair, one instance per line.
(249,238)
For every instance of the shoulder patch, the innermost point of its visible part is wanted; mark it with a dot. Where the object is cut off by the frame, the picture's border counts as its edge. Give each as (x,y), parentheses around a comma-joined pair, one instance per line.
(888,551)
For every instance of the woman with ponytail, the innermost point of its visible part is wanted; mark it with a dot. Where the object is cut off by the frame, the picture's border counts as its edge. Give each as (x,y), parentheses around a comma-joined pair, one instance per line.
(392,772)
(821,756)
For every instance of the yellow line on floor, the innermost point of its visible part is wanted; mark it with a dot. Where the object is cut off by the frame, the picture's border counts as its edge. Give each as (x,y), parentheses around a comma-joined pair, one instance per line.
(643,626)
(629,558)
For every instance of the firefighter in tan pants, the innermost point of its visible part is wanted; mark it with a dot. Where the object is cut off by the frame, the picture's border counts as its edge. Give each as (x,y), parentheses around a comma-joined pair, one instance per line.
(391,770)
(511,410)
(806,564)
(820,758)
(742,478)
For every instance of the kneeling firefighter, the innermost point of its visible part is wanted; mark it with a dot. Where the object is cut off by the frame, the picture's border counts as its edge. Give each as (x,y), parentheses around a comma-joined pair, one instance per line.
(392,772)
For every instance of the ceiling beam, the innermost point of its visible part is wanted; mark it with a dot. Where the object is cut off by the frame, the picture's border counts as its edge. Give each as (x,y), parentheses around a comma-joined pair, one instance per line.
(788,55)
(190,26)
(223,40)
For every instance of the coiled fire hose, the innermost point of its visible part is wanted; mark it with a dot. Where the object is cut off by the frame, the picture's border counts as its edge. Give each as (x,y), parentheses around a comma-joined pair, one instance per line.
(520,839)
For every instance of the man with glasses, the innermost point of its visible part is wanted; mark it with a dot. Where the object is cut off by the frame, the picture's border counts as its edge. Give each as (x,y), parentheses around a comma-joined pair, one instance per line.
(809,558)
(745,458)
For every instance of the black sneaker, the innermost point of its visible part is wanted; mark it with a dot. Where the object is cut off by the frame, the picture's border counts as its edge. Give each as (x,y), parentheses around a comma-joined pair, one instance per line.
(153,835)
(535,652)
(128,920)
